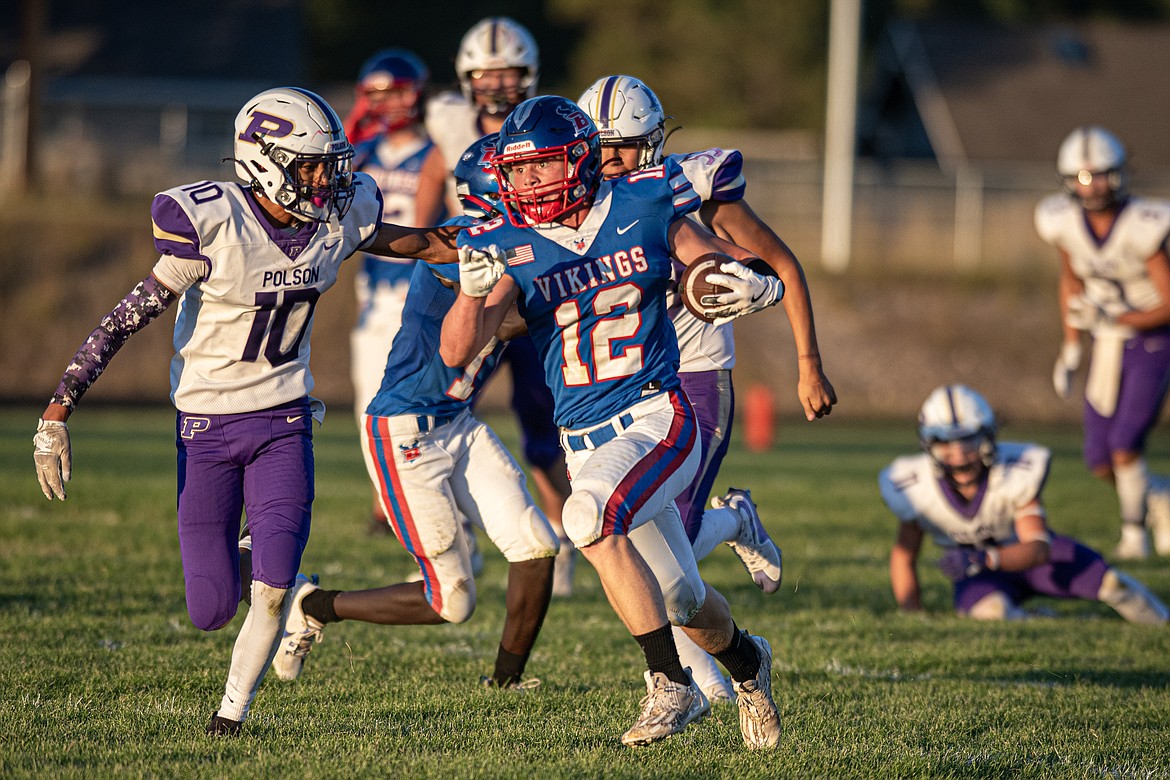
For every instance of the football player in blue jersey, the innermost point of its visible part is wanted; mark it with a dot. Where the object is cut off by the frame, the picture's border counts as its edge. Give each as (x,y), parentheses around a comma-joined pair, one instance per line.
(498,66)
(432,464)
(246,264)
(587,263)
(632,127)
(390,145)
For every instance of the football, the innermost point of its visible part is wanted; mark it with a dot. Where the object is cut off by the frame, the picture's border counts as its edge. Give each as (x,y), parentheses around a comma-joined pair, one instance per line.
(694,283)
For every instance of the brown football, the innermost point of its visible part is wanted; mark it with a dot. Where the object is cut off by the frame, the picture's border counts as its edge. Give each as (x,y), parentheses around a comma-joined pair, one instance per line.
(694,284)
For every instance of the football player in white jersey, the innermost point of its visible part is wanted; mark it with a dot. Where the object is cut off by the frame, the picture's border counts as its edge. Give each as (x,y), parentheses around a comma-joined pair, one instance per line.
(631,122)
(498,65)
(587,263)
(433,464)
(980,500)
(246,264)
(1115,286)
(390,144)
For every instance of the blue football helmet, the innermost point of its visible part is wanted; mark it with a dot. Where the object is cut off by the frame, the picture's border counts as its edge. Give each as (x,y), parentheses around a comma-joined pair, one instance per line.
(542,130)
(394,69)
(475,179)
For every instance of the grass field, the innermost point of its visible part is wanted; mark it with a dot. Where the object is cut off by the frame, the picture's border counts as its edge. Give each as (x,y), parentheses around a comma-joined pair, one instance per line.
(102,674)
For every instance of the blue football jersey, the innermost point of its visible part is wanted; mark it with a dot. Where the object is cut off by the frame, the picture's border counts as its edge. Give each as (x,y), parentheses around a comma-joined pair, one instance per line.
(594,298)
(416,380)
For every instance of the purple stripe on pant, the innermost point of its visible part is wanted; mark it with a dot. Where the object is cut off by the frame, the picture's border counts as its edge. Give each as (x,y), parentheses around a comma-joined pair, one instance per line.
(1145,376)
(711,394)
(1073,571)
(260,463)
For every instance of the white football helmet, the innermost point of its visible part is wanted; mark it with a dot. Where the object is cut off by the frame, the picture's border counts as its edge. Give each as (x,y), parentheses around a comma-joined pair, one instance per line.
(1088,152)
(282,129)
(627,112)
(494,43)
(952,413)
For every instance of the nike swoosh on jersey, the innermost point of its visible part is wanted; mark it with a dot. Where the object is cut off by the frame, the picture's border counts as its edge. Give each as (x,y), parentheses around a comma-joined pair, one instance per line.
(330,246)
(291,420)
(620,231)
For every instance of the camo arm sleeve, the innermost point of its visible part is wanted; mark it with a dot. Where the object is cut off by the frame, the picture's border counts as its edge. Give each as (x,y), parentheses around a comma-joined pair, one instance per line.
(142,305)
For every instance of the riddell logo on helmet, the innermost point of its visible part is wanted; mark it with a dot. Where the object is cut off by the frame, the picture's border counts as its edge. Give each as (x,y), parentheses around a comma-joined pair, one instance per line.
(266,125)
(520,146)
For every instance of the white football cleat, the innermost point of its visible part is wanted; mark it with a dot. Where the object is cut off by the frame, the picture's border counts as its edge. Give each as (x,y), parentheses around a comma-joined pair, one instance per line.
(301,632)
(1158,514)
(759,720)
(759,555)
(1134,544)
(1132,600)
(667,708)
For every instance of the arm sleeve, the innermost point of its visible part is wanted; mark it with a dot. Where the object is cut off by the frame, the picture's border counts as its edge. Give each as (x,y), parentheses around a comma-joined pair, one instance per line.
(134,312)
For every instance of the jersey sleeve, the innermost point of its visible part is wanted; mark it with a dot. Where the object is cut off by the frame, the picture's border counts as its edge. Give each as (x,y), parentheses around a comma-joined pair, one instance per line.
(1150,227)
(684,198)
(1051,216)
(174,232)
(893,481)
(716,174)
(1025,473)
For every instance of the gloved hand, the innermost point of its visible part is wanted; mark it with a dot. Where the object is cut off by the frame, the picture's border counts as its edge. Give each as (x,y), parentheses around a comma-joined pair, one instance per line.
(750,292)
(1067,363)
(480,269)
(962,562)
(53,456)
(1083,314)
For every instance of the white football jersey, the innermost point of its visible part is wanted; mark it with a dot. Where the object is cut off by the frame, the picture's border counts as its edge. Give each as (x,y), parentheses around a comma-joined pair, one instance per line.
(915,493)
(1113,269)
(453,124)
(243,328)
(715,174)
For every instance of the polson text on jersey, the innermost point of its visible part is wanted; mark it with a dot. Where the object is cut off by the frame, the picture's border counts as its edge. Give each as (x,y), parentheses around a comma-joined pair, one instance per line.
(294,277)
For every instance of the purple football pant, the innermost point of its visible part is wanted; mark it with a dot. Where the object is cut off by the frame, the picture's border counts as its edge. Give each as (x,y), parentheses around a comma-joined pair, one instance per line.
(260,463)
(1073,571)
(1145,376)
(713,398)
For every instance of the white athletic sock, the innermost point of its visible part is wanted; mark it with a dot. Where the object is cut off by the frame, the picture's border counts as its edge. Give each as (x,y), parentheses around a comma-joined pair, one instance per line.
(718,526)
(253,651)
(1132,483)
(1131,599)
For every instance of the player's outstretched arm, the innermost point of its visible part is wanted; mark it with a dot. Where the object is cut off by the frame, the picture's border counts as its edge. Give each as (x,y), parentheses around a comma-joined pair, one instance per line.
(52,452)
(432,244)
(735,221)
(472,321)
(904,567)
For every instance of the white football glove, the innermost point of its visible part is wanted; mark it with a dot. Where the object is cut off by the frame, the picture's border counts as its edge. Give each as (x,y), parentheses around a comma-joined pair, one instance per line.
(750,292)
(53,456)
(1083,314)
(480,269)
(1067,363)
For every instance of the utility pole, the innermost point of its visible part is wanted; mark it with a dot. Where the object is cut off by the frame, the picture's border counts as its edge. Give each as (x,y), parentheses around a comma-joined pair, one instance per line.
(840,134)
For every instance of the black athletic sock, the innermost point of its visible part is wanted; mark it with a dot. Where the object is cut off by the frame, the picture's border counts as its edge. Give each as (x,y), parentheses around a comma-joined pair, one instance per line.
(662,654)
(509,667)
(740,657)
(319,606)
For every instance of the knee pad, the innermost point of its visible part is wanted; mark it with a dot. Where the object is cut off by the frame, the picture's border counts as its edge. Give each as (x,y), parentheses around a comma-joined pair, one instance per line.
(458,603)
(581,517)
(209,605)
(995,606)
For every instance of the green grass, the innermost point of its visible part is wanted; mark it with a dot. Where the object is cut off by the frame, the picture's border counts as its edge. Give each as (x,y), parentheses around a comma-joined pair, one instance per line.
(102,674)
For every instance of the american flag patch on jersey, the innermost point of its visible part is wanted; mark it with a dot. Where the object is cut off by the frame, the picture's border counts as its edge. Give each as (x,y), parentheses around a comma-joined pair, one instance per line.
(521,255)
